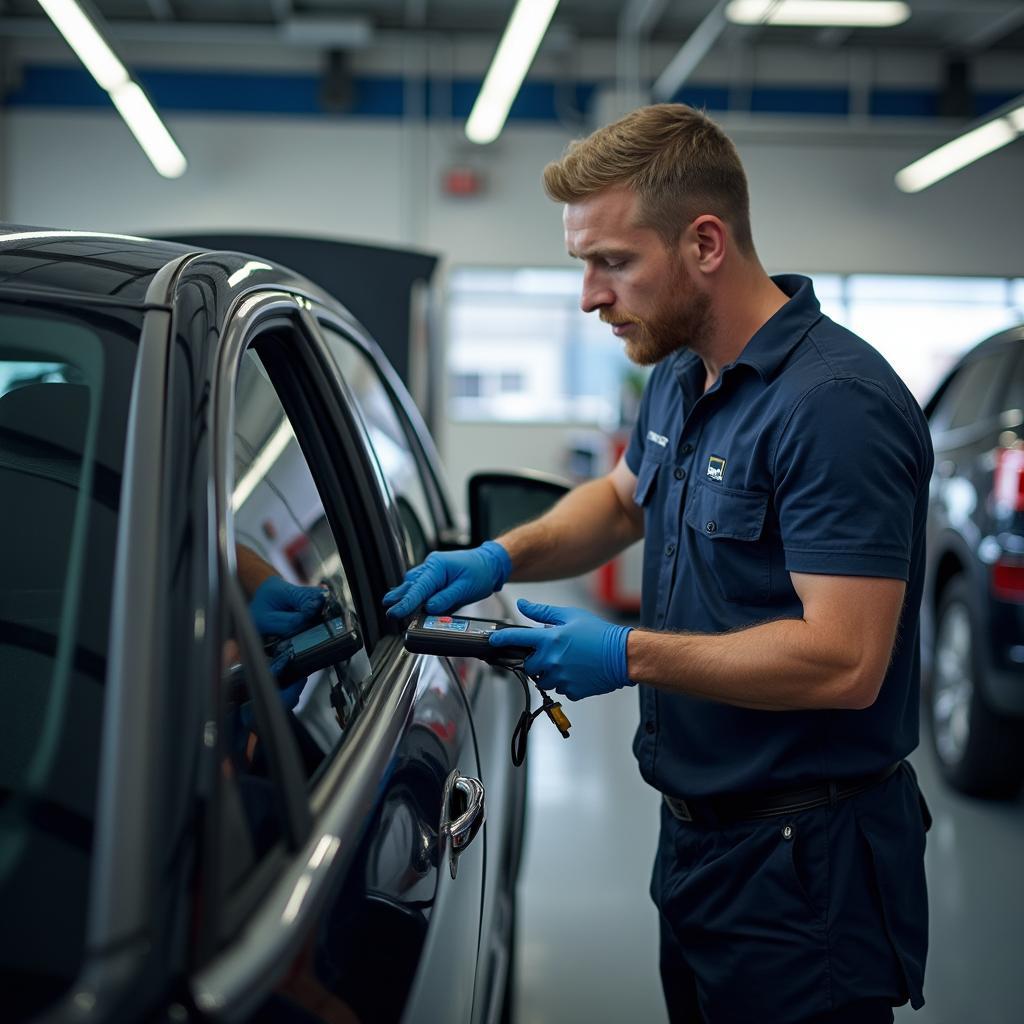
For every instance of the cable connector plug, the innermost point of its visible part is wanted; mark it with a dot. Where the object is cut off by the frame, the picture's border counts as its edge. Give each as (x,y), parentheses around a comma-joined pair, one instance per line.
(557,715)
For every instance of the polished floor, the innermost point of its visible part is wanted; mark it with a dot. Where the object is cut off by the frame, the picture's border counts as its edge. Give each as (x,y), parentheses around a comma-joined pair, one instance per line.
(587,947)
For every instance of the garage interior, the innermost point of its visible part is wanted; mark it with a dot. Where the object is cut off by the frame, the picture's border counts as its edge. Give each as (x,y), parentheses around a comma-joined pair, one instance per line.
(346,119)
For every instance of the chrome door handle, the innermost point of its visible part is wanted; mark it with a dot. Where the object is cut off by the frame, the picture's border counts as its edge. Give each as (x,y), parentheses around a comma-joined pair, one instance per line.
(459,832)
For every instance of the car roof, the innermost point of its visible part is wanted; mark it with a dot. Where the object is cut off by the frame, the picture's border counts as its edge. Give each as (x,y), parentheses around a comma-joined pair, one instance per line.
(112,266)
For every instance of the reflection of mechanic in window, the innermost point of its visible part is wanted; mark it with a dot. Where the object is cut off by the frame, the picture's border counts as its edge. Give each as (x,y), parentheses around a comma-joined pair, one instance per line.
(278,608)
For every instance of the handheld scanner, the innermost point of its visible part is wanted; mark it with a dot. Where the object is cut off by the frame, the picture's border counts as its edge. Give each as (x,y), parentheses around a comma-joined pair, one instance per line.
(325,643)
(458,636)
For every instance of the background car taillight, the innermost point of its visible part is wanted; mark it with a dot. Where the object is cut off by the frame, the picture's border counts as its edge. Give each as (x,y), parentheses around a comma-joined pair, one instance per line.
(1008,485)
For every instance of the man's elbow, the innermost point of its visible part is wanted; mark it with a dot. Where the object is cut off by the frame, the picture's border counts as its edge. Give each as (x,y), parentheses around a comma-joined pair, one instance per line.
(860,687)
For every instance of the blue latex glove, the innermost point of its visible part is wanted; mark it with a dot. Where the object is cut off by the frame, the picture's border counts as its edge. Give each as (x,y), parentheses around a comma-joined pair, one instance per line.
(579,656)
(280,608)
(450,579)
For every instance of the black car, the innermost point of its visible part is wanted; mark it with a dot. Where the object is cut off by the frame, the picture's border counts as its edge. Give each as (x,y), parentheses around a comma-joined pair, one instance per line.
(177,840)
(973,610)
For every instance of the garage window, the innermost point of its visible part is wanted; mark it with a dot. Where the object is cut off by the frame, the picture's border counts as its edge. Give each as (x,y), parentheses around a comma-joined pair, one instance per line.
(524,325)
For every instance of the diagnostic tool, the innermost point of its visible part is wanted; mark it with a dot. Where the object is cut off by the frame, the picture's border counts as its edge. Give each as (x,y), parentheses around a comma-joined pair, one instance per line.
(460,636)
(323,644)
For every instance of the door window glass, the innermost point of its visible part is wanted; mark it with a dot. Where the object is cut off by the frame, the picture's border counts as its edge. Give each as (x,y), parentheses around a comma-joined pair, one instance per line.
(1014,398)
(65,387)
(394,452)
(977,388)
(293,572)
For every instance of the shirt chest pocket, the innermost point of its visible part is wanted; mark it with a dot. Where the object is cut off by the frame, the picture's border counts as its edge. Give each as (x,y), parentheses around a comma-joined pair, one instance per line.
(648,476)
(728,527)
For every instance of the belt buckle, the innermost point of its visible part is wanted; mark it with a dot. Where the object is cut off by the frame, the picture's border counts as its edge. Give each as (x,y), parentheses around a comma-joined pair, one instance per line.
(679,808)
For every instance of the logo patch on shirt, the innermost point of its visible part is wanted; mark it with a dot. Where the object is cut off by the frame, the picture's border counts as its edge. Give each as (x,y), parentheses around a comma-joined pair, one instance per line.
(716,467)
(659,439)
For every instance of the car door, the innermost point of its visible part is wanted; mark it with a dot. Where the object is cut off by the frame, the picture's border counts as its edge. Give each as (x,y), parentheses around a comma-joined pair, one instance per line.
(348,784)
(410,466)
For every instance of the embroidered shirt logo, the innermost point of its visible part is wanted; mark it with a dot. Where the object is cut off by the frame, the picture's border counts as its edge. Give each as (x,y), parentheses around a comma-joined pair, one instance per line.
(716,467)
(659,439)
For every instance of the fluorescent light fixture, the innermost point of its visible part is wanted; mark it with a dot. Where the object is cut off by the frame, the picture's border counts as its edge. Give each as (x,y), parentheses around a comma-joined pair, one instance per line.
(149,131)
(90,47)
(961,151)
(111,75)
(518,47)
(844,13)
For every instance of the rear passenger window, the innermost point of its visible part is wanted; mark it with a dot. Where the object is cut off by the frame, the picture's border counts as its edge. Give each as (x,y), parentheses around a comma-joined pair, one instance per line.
(394,452)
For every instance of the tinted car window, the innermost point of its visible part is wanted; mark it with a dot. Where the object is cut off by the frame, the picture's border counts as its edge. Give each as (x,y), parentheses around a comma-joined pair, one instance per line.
(279,517)
(976,390)
(394,453)
(1014,396)
(64,396)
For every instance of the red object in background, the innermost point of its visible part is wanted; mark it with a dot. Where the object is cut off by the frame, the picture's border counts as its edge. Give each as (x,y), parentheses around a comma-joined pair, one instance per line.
(1008,580)
(1008,486)
(462,181)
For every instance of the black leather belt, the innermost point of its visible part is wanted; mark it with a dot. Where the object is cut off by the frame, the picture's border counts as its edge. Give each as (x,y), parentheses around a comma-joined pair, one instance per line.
(723,810)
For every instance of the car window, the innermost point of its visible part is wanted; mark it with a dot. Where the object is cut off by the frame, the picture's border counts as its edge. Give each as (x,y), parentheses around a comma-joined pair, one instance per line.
(394,452)
(975,391)
(1014,396)
(281,529)
(65,386)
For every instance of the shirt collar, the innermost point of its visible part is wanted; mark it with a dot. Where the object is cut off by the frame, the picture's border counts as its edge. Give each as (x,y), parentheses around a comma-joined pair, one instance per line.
(773,340)
(779,335)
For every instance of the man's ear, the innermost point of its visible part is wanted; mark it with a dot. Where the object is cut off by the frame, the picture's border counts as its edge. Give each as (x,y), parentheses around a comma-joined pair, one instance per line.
(708,238)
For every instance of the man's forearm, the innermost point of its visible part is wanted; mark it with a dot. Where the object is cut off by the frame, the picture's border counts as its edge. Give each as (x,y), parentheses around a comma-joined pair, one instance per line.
(252,569)
(586,528)
(784,665)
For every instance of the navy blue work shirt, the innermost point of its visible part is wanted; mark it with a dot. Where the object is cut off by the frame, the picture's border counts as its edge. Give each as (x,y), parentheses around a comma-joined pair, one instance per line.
(807,455)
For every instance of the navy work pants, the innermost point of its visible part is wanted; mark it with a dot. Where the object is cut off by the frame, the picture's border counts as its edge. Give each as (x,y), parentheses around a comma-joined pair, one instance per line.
(808,918)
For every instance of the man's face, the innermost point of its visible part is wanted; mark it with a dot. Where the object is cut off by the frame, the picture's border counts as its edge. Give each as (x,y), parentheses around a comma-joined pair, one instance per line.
(636,283)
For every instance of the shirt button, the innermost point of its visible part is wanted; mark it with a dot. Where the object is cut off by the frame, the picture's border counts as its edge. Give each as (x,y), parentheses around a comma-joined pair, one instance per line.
(679,473)
(650,727)
(670,550)
(687,448)
(711,527)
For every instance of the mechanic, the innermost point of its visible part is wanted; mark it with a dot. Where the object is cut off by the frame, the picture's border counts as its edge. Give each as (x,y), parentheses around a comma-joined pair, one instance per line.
(778,473)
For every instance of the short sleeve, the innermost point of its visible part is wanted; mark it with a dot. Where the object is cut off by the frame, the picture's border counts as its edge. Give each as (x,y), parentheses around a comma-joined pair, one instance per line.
(637,440)
(848,473)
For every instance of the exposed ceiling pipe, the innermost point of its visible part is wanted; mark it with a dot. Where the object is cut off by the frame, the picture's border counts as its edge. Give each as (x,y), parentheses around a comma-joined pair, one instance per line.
(995,30)
(636,22)
(347,33)
(691,53)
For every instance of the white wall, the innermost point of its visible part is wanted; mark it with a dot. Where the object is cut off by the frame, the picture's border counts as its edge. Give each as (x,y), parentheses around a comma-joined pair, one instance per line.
(823,200)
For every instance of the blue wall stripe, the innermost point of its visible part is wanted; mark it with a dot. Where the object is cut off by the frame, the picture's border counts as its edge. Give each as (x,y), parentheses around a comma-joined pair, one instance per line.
(384,97)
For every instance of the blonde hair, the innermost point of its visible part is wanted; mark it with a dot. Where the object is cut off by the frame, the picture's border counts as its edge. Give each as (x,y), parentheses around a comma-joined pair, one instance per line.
(676,159)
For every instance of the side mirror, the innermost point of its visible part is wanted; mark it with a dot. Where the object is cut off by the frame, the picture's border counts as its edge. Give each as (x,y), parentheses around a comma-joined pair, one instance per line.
(500,500)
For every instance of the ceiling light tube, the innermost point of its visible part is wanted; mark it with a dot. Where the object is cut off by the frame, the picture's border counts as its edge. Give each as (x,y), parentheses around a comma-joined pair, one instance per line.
(149,131)
(111,75)
(995,133)
(518,47)
(819,13)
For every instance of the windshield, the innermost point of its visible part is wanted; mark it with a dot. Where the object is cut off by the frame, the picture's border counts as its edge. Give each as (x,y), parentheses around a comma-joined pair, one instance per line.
(65,379)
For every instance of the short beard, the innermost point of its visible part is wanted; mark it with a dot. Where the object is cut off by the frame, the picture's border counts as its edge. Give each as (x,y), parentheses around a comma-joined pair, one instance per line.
(687,324)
